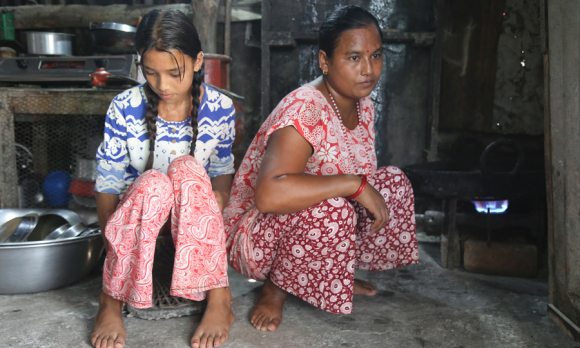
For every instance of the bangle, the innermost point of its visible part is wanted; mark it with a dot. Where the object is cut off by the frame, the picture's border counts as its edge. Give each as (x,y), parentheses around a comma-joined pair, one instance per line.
(361,188)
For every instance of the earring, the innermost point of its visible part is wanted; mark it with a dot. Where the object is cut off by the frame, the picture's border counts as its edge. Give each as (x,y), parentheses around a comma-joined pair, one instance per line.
(324,73)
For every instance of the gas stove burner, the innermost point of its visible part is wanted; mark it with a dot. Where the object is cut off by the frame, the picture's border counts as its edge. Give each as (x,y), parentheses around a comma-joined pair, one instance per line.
(64,68)
(491,207)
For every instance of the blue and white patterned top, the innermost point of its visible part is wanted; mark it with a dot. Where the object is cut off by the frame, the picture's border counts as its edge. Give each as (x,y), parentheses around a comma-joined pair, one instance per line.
(123,153)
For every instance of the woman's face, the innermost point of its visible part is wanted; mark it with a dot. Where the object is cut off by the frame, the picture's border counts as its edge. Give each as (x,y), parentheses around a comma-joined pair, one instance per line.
(163,73)
(355,67)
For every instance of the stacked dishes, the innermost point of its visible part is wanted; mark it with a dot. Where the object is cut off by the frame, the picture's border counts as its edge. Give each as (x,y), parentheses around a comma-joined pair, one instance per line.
(45,249)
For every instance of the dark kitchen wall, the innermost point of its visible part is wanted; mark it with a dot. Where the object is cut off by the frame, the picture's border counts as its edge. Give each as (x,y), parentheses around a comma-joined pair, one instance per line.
(492,71)
(402,95)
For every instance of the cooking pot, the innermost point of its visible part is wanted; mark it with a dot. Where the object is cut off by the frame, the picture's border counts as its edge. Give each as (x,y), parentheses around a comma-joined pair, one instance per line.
(51,44)
(112,38)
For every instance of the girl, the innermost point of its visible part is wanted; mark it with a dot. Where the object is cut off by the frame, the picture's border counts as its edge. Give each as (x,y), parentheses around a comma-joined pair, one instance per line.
(308,202)
(166,151)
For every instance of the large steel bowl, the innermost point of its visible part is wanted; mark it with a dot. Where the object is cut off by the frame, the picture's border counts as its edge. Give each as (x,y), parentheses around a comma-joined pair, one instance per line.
(45,265)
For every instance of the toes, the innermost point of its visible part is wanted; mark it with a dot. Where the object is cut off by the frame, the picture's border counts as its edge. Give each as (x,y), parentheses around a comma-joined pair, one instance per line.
(262,324)
(273,325)
(119,342)
(209,342)
(203,341)
(257,321)
(195,341)
(96,341)
(219,341)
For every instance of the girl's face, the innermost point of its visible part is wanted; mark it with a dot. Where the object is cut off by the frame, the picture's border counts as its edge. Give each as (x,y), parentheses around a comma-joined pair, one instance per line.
(355,67)
(163,73)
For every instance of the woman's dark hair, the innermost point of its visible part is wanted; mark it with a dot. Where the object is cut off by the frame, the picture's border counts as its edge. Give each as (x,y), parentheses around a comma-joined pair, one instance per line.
(163,30)
(341,20)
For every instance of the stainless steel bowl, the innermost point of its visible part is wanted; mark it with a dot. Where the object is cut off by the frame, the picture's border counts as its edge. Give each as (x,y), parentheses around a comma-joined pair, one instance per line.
(24,226)
(56,233)
(44,265)
(39,266)
(73,231)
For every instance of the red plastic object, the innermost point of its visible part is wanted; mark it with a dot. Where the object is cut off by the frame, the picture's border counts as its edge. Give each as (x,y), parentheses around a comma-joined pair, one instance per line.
(82,188)
(100,77)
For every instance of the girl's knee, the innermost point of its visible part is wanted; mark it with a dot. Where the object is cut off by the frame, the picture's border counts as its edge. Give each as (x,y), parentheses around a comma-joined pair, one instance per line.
(153,178)
(186,165)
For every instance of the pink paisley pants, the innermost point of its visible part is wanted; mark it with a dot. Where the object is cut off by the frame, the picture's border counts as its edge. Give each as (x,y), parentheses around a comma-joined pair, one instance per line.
(196,227)
(312,254)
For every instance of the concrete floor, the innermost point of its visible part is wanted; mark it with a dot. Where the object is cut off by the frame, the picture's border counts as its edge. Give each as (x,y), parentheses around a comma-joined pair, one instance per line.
(417,306)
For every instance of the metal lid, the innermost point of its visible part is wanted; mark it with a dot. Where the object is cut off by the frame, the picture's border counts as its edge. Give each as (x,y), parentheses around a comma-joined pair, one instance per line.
(112,26)
(47,33)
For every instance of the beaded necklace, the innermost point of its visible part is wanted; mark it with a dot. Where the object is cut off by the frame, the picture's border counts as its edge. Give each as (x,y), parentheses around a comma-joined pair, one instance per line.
(343,129)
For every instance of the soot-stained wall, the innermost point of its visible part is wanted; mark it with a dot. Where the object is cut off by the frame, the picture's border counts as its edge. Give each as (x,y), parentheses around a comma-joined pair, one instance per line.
(401,97)
(519,87)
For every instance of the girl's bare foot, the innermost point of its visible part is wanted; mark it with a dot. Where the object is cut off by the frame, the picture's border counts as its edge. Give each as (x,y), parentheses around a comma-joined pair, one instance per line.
(362,287)
(267,314)
(217,319)
(109,331)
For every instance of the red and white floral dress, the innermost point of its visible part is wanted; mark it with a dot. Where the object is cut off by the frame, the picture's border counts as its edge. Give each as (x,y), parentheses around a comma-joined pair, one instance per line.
(312,253)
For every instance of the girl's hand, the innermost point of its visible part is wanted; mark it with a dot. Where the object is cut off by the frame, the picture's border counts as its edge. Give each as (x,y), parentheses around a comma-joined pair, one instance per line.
(219,199)
(375,203)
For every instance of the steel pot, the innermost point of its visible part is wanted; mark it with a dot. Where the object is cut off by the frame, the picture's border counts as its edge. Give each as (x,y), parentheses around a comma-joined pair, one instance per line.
(112,38)
(51,44)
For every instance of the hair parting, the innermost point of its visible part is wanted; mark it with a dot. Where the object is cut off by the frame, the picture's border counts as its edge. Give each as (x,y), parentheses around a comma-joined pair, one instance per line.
(341,20)
(164,30)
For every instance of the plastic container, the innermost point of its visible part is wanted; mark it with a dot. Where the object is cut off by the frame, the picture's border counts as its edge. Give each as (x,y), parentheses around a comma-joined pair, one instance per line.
(6,26)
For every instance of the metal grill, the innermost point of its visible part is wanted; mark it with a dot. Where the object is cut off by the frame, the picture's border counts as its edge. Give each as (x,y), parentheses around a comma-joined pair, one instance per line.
(49,146)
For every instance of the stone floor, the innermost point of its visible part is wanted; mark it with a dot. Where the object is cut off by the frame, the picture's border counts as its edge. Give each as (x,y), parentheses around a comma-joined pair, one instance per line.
(417,306)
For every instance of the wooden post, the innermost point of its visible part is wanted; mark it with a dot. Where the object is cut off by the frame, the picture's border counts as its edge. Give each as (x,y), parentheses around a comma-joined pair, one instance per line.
(562,129)
(435,84)
(8,173)
(265,109)
(450,246)
(205,20)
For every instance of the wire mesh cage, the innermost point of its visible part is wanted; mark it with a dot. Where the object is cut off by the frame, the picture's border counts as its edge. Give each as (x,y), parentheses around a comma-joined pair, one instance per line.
(55,159)
(55,138)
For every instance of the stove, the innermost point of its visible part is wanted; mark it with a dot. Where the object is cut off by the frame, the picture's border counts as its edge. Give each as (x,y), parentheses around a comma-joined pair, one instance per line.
(65,68)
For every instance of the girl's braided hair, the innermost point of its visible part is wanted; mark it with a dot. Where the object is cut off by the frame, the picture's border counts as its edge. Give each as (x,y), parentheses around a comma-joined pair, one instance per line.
(163,30)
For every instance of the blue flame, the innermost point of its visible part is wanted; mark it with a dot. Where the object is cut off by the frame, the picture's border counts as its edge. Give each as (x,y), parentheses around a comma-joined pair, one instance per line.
(495,207)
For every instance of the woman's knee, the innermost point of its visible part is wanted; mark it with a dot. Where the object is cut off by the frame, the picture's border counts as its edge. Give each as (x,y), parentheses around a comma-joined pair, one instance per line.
(333,215)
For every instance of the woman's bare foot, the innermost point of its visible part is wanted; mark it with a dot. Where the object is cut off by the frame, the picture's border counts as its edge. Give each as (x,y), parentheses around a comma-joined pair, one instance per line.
(217,319)
(362,287)
(267,314)
(109,331)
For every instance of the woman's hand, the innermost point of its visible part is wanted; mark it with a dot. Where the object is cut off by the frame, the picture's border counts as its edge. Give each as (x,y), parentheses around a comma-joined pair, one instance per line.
(375,203)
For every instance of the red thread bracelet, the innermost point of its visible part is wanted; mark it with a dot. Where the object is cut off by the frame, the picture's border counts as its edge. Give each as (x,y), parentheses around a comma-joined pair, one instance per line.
(361,188)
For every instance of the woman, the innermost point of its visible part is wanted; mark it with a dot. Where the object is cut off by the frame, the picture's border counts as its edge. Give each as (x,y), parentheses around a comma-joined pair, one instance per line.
(149,132)
(308,203)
